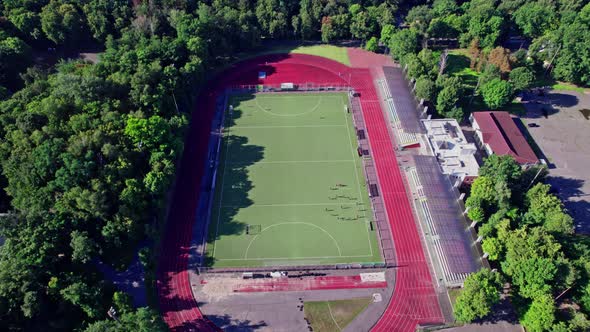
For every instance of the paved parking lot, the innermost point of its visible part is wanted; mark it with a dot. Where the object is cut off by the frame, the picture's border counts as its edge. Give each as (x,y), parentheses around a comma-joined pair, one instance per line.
(563,135)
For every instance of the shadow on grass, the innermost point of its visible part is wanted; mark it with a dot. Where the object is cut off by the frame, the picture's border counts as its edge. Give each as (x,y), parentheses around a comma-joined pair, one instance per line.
(233,183)
(456,63)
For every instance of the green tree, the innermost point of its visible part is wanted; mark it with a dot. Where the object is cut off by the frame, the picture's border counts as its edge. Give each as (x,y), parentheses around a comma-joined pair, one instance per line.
(151,133)
(442,8)
(106,17)
(272,16)
(419,18)
(403,42)
(307,22)
(361,25)
(27,22)
(142,320)
(497,93)
(15,56)
(535,18)
(387,33)
(83,247)
(485,24)
(540,314)
(84,296)
(476,212)
(532,261)
(449,96)
(335,27)
(546,209)
(483,190)
(503,168)
(521,78)
(122,303)
(425,88)
(572,60)
(493,247)
(585,297)
(372,45)
(480,292)
(62,22)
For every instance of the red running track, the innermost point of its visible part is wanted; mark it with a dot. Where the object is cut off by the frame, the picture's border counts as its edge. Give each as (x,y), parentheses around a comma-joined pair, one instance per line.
(302,284)
(414,300)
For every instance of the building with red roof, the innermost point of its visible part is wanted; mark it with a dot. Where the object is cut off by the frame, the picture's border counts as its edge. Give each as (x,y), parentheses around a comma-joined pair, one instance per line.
(497,133)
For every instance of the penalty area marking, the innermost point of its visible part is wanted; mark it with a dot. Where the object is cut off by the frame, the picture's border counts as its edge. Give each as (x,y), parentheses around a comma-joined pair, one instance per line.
(291,204)
(313,109)
(293,223)
(293,162)
(277,127)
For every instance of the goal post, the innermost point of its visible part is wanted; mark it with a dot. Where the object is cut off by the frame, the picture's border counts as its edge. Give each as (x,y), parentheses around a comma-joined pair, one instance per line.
(253,229)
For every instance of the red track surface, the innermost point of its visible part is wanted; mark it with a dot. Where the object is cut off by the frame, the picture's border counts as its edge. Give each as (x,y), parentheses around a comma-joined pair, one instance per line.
(301,284)
(414,300)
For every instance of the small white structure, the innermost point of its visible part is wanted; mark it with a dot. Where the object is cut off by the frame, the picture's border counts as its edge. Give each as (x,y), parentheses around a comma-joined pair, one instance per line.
(278,274)
(373,277)
(287,86)
(455,155)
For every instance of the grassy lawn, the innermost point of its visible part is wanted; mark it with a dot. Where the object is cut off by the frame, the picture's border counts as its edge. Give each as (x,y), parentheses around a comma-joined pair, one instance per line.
(290,188)
(336,53)
(329,316)
(556,85)
(458,64)
(453,294)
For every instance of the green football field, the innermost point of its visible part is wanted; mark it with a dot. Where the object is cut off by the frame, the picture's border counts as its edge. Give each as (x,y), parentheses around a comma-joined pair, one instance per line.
(290,187)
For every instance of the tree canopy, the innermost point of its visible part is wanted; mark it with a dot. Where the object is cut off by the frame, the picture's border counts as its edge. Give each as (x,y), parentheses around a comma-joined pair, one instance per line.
(529,238)
(88,150)
(480,292)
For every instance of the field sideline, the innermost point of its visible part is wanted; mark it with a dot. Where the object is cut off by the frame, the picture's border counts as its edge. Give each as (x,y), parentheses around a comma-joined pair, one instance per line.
(290,188)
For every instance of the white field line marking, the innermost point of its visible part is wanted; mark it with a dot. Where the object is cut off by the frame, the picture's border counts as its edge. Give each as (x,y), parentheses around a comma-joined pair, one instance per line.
(358,183)
(278,95)
(293,223)
(290,204)
(303,126)
(289,258)
(313,109)
(222,180)
(291,162)
(330,310)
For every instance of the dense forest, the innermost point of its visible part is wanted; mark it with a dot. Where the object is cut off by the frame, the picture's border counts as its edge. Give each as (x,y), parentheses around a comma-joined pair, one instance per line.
(88,151)
(530,240)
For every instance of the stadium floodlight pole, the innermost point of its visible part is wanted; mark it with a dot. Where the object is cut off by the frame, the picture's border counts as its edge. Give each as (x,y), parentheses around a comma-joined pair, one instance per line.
(536,175)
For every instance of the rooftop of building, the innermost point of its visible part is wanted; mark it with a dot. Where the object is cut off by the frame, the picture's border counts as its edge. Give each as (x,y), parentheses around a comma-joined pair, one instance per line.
(454,153)
(501,133)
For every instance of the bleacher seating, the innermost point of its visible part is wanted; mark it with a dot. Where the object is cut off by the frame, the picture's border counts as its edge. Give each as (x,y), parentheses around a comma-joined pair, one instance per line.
(423,206)
(404,138)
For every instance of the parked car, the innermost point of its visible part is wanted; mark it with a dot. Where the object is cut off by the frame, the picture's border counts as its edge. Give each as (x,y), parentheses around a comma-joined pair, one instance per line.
(533,125)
